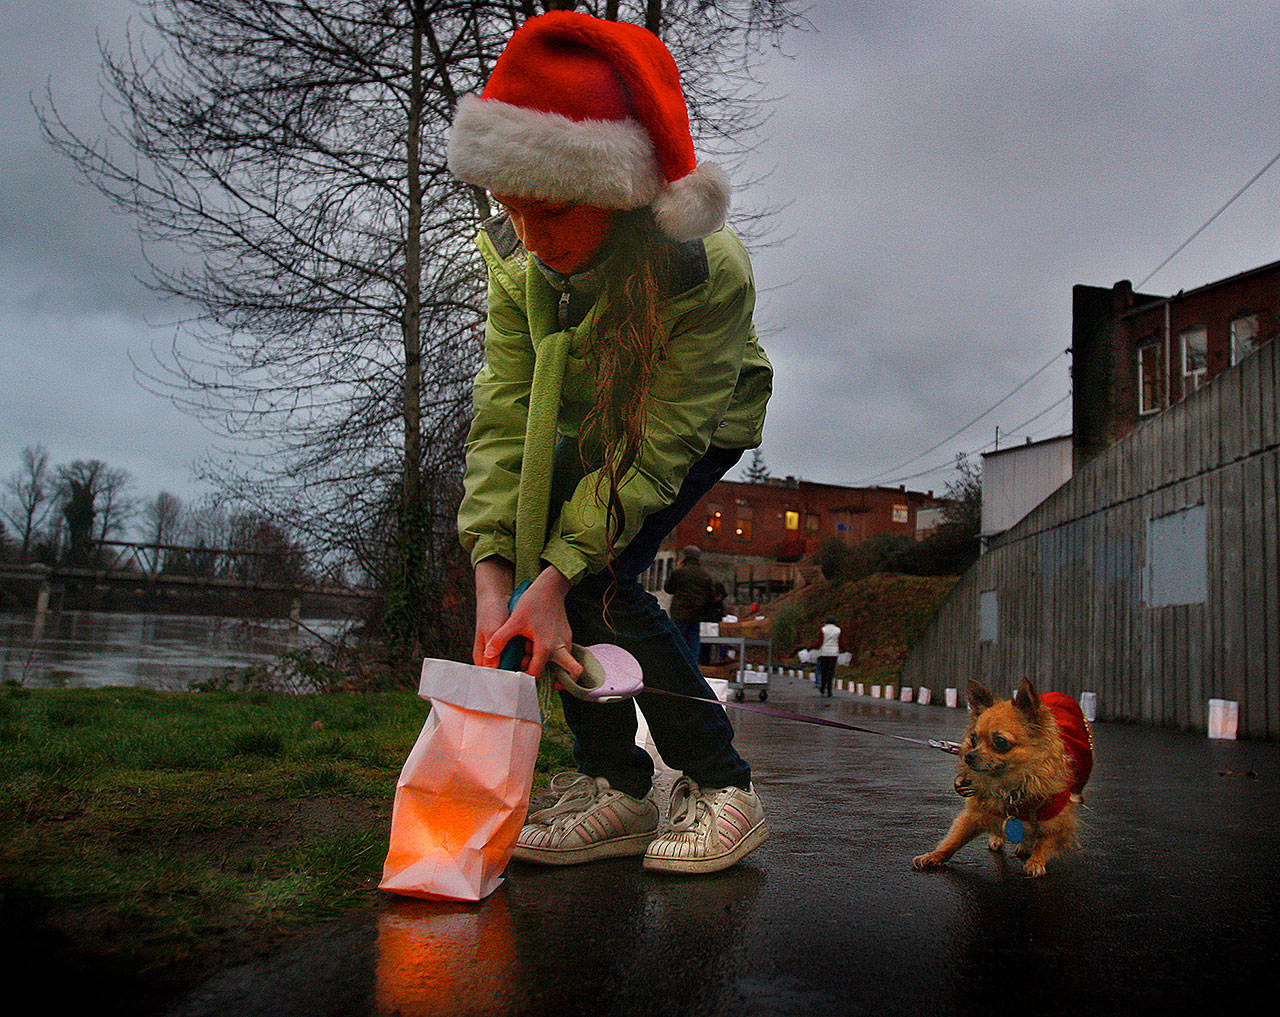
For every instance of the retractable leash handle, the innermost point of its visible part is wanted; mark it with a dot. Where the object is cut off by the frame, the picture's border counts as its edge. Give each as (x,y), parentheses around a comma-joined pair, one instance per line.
(512,655)
(609,674)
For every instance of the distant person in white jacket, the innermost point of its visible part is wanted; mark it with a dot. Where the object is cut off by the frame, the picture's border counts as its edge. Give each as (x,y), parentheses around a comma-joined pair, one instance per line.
(827,655)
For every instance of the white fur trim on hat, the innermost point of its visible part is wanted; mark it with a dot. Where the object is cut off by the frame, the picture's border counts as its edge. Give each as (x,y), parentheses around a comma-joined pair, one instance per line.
(695,205)
(525,152)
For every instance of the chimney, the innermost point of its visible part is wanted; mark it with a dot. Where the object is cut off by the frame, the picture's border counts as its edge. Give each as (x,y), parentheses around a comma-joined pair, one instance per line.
(1123,295)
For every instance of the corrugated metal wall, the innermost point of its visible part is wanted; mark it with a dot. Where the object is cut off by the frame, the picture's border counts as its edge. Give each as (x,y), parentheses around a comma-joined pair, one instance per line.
(1183,513)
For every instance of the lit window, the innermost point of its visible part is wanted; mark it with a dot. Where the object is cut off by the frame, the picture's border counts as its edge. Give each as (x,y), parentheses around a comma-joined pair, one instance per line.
(1150,387)
(1244,336)
(1195,358)
(743,530)
(714,522)
(900,514)
(793,520)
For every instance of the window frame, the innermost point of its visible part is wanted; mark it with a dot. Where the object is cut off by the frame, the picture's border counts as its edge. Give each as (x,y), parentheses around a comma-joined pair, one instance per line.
(1157,382)
(1193,377)
(1256,319)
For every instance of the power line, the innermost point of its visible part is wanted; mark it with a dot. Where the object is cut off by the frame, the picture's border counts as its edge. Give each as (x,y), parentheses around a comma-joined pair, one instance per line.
(951,462)
(1252,180)
(933,448)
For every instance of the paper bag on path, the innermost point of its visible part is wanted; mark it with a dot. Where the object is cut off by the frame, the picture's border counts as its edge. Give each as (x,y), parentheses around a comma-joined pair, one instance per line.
(464,790)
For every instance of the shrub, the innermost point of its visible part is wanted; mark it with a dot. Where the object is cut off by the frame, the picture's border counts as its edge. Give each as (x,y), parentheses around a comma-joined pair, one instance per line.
(785,632)
(833,557)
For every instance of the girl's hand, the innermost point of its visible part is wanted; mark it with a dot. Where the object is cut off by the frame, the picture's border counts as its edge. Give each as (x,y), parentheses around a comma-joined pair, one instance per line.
(495,579)
(539,617)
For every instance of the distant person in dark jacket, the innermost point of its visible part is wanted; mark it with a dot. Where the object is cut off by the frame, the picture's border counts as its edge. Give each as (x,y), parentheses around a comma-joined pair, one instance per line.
(692,592)
(715,610)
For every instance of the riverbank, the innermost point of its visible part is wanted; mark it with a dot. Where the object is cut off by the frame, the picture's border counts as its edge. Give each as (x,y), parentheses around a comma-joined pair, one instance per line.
(20,594)
(173,653)
(149,838)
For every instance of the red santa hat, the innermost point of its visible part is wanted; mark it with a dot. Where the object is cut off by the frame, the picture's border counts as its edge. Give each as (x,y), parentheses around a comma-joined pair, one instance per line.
(588,111)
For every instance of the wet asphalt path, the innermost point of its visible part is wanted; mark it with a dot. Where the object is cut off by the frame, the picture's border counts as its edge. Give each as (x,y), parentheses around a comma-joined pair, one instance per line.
(1172,904)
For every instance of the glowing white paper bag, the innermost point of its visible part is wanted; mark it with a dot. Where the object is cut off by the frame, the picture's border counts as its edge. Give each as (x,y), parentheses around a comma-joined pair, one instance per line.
(463,793)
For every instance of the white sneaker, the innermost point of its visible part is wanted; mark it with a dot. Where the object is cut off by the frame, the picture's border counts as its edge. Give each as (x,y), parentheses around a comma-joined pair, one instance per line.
(711,829)
(589,822)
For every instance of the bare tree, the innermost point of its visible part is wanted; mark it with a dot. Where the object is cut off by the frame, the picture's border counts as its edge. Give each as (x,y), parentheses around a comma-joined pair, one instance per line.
(95,505)
(30,490)
(262,551)
(161,520)
(285,162)
(205,530)
(77,493)
(161,517)
(115,504)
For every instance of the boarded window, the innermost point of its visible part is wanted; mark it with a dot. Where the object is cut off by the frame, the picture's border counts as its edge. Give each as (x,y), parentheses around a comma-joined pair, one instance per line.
(988,617)
(1177,557)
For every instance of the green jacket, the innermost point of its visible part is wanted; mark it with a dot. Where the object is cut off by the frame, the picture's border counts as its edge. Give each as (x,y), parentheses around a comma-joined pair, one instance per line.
(711,388)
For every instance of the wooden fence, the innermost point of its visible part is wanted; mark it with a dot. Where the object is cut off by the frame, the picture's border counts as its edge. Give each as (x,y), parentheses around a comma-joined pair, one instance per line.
(1151,578)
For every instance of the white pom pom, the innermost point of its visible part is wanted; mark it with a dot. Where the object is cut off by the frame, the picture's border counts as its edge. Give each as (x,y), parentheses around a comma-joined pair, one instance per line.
(695,205)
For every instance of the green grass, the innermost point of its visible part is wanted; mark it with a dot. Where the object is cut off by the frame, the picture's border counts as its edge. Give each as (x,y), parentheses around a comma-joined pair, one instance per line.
(157,836)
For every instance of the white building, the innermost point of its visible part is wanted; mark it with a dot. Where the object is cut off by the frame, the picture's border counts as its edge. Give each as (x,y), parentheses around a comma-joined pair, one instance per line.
(1017,479)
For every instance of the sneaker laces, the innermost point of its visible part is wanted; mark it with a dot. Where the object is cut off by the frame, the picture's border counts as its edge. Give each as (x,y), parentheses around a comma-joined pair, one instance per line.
(686,796)
(577,792)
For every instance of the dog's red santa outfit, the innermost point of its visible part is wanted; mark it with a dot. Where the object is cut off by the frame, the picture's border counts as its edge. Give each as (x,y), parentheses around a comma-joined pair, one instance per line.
(1078,743)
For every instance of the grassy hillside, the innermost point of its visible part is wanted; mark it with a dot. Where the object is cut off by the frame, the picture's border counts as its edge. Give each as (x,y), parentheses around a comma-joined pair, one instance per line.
(880,616)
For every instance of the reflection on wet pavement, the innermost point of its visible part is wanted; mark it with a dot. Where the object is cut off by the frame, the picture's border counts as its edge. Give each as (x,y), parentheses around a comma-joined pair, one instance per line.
(1171,902)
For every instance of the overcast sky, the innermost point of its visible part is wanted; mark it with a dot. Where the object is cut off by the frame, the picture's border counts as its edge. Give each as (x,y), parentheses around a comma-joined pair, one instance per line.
(948,172)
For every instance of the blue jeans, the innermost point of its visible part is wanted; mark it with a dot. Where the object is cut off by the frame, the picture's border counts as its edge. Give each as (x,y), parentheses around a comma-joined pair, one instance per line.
(691,633)
(694,738)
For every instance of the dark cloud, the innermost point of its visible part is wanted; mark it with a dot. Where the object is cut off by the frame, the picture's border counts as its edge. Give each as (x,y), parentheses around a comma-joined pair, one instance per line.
(946,172)
(953,169)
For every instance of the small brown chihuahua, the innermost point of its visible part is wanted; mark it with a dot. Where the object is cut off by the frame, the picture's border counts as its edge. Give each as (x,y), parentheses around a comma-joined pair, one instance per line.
(1023,764)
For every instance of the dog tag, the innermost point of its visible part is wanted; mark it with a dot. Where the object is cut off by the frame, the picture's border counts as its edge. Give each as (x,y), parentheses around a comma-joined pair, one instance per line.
(1013,830)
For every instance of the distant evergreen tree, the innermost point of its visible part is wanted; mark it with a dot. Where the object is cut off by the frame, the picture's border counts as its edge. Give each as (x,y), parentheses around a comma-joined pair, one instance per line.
(757,472)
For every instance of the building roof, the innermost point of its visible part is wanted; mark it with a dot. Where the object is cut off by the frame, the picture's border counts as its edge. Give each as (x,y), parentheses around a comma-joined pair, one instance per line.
(1026,445)
(1153,301)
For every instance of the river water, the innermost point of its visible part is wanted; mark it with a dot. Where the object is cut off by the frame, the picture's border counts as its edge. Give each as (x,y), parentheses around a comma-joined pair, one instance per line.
(90,649)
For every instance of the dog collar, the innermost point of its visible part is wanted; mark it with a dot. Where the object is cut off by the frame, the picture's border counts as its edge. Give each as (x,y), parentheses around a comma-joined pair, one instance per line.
(1042,811)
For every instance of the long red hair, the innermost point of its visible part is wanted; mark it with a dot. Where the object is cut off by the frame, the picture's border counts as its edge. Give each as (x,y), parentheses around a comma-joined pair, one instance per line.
(626,347)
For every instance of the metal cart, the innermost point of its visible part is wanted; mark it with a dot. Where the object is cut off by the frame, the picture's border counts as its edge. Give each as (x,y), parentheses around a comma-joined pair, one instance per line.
(745,678)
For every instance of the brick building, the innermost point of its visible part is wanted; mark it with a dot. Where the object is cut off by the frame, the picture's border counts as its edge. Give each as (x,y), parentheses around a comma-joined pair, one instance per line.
(1135,354)
(753,536)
